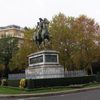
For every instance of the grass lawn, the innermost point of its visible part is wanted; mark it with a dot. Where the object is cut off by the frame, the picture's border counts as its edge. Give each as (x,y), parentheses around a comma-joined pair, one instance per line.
(8,90)
(13,90)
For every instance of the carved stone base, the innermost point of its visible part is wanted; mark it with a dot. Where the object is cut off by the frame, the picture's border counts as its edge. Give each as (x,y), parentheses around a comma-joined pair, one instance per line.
(45,71)
(44,64)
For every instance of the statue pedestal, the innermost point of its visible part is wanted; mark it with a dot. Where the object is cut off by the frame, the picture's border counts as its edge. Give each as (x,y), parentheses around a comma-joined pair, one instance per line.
(44,64)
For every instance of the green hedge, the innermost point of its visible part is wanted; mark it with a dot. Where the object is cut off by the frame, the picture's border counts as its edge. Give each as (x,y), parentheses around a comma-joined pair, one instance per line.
(13,83)
(35,83)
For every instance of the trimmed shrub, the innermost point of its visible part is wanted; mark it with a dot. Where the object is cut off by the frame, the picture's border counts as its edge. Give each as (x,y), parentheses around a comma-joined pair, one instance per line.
(98,77)
(13,83)
(35,83)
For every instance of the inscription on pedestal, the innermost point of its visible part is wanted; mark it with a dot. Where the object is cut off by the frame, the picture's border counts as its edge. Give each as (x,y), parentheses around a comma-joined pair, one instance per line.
(44,64)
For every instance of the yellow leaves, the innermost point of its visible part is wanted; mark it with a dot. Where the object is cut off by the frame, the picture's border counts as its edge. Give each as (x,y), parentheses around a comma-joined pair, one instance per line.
(77,36)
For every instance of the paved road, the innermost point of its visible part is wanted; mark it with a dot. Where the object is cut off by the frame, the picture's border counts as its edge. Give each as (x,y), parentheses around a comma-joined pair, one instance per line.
(87,95)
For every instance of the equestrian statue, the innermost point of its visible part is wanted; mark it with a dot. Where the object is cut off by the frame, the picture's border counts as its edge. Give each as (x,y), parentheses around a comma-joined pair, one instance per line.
(41,36)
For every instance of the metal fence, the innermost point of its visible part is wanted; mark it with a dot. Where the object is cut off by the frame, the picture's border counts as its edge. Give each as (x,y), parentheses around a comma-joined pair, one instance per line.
(76,73)
(16,76)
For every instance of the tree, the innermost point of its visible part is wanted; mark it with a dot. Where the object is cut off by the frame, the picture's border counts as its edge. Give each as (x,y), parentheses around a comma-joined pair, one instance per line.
(8,47)
(86,29)
(76,39)
(64,38)
(20,60)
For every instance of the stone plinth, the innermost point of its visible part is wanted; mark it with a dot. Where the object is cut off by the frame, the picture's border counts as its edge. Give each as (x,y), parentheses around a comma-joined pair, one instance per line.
(44,64)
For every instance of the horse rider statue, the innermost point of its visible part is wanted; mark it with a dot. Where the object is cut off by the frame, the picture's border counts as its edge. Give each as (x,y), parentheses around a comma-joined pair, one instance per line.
(41,35)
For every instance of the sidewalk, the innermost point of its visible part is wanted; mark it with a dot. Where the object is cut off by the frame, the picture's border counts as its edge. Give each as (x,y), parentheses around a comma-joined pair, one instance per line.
(47,94)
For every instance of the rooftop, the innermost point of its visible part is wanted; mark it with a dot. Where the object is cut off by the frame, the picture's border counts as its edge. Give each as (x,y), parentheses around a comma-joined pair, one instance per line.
(11,26)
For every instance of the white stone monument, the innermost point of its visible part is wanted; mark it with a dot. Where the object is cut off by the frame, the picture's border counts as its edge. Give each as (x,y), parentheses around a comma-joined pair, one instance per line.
(44,64)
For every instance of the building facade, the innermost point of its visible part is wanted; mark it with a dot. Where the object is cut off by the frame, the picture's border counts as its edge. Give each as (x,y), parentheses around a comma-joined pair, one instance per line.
(12,30)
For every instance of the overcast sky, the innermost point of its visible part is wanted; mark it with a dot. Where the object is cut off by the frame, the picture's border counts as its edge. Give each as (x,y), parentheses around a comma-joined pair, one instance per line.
(27,12)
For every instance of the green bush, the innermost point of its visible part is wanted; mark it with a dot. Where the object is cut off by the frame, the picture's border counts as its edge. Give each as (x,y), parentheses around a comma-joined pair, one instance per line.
(34,83)
(13,83)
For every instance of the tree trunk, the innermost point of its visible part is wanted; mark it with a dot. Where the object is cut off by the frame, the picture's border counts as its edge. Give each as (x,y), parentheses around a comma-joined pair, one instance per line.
(6,71)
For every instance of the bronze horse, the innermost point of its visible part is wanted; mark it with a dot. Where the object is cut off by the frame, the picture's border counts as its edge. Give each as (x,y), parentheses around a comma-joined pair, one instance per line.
(41,35)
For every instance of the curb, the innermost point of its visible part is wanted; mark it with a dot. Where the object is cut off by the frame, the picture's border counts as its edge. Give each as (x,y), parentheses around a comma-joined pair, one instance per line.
(47,94)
